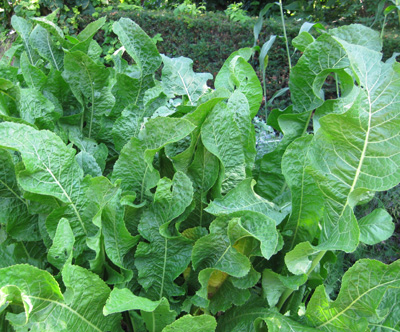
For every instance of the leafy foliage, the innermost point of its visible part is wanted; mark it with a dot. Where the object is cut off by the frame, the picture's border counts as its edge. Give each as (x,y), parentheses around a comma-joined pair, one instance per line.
(123,193)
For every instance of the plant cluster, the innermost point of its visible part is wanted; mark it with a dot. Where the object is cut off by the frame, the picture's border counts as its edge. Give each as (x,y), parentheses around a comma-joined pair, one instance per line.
(135,201)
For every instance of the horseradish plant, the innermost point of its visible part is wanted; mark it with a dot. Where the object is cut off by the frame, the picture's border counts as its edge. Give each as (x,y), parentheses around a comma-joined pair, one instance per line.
(129,202)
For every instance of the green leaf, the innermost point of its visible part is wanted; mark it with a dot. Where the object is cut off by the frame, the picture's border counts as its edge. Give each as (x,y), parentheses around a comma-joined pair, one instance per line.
(300,259)
(243,198)
(279,323)
(51,28)
(360,35)
(163,259)
(156,314)
(33,76)
(203,323)
(376,227)
(197,118)
(243,119)
(360,298)
(63,243)
(203,172)
(134,171)
(51,170)
(160,317)
(121,300)
(14,214)
(275,284)
(34,108)
(138,45)
(307,200)
(134,166)
(245,79)
(303,40)
(179,79)
(221,136)
(36,292)
(117,239)
(348,147)
(223,78)
(242,318)
(42,42)
(249,224)
(271,182)
(90,84)
(320,58)
(133,117)
(23,27)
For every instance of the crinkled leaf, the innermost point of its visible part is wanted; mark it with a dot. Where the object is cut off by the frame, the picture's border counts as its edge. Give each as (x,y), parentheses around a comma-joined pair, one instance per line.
(179,79)
(243,198)
(90,84)
(14,214)
(359,301)
(222,79)
(220,135)
(303,40)
(38,292)
(271,182)
(24,27)
(245,79)
(42,42)
(163,259)
(307,200)
(249,224)
(34,108)
(348,147)
(242,318)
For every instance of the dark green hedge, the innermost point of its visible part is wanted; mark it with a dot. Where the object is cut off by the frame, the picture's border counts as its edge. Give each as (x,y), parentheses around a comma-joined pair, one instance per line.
(210,38)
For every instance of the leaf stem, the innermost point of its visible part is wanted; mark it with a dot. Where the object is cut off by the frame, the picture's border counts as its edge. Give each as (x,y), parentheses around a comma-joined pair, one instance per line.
(288,292)
(285,35)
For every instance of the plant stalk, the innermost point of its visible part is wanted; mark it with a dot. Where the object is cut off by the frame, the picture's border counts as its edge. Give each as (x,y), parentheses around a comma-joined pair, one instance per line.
(288,292)
(285,35)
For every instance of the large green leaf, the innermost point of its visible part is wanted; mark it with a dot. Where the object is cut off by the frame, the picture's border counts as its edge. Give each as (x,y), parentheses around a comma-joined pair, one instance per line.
(90,84)
(271,182)
(355,153)
(242,318)
(37,292)
(203,173)
(14,214)
(243,198)
(221,136)
(156,314)
(307,200)
(360,300)
(42,42)
(51,170)
(63,243)
(33,76)
(134,165)
(23,27)
(179,79)
(138,45)
(163,259)
(34,108)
